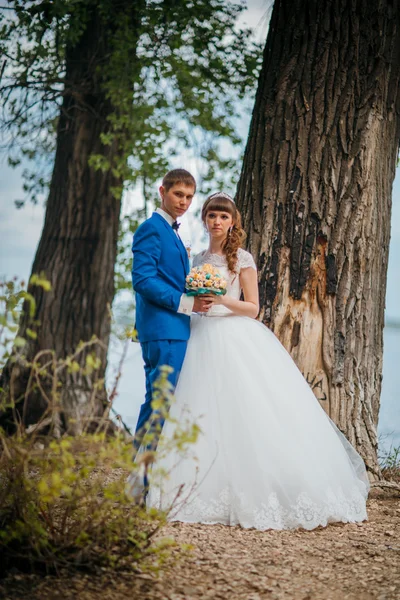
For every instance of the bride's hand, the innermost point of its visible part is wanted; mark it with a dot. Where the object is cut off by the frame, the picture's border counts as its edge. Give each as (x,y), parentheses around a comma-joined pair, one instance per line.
(217,299)
(211,299)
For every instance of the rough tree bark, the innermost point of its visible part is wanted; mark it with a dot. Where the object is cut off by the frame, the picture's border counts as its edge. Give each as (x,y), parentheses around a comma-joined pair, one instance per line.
(78,246)
(315,192)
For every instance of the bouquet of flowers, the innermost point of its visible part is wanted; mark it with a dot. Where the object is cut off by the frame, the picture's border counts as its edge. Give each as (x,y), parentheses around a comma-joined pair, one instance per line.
(205,280)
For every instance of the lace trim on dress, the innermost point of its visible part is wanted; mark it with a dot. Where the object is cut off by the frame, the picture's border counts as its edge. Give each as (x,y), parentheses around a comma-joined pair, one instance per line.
(245,259)
(233,509)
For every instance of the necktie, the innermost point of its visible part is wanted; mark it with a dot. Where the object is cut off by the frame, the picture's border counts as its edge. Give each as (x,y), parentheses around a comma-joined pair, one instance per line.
(176,225)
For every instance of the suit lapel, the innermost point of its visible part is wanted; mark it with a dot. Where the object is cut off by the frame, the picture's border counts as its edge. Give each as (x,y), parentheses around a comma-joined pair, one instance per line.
(177,241)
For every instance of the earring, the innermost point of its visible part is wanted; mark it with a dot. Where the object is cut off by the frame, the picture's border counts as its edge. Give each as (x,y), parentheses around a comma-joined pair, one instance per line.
(230,230)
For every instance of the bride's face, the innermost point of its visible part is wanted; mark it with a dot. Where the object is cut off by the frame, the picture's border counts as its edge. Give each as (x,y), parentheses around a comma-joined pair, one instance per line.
(218,223)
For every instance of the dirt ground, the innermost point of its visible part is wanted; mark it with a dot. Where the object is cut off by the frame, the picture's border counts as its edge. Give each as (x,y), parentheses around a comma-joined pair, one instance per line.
(339,562)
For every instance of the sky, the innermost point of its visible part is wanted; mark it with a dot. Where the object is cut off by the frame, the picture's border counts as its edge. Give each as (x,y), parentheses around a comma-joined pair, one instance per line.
(20,231)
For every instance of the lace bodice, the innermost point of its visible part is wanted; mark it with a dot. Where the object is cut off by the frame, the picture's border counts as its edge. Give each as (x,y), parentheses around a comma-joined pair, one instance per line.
(233,289)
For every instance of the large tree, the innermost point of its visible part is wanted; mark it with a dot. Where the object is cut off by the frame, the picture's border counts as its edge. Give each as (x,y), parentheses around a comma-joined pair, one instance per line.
(315,192)
(102,93)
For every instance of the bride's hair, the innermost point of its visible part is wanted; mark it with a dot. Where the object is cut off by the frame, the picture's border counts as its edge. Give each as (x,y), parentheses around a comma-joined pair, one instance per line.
(236,236)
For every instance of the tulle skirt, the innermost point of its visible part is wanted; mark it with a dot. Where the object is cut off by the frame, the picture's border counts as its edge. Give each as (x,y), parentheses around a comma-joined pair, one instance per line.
(267,456)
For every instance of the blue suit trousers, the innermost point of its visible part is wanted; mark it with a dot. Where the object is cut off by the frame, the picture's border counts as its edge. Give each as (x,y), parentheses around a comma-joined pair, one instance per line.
(156,354)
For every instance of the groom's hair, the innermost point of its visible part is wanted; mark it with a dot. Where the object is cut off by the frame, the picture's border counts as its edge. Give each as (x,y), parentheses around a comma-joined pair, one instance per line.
(178,176)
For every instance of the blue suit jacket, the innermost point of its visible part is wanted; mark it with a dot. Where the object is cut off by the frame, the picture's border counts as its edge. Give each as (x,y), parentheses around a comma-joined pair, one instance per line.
(160,266)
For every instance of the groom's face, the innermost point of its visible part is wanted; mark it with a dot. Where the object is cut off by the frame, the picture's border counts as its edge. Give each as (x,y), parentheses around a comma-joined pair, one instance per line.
(177,199)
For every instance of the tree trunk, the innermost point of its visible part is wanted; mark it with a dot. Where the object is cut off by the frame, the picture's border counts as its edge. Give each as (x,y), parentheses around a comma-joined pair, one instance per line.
(77,250)
(315,193)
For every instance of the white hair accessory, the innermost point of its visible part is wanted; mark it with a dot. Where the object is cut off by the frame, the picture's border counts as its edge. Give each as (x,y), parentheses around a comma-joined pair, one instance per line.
(222,195)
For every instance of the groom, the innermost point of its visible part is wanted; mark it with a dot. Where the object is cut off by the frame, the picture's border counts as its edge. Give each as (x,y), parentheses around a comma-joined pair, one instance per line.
(160,266)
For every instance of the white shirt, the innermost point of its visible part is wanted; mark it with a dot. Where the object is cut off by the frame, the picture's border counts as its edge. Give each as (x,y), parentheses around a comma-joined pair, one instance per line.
(186,304)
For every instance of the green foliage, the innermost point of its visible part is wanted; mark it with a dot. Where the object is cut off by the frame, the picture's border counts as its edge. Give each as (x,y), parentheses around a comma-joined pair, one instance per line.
(45,370)
(63,505)
(174,76)
(64,501)
(13,296)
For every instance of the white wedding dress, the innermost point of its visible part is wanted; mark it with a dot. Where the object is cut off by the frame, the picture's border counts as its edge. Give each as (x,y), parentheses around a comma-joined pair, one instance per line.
(267,456)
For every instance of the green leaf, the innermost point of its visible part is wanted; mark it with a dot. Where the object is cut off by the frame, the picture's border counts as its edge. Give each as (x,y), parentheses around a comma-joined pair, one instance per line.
(19,342)
(41,281)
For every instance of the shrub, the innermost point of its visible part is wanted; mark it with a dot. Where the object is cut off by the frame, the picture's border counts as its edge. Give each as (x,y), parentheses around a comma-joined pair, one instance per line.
(63,504)
(64,501)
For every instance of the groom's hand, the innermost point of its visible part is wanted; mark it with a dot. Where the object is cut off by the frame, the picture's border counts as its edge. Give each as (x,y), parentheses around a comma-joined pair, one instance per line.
(202,303)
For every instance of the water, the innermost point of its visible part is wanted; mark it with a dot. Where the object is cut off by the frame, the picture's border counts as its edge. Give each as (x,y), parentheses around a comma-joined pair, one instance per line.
(389,414)
(131,386)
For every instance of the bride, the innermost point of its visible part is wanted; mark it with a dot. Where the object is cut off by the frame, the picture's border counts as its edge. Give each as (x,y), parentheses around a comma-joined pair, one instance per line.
(267,456)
